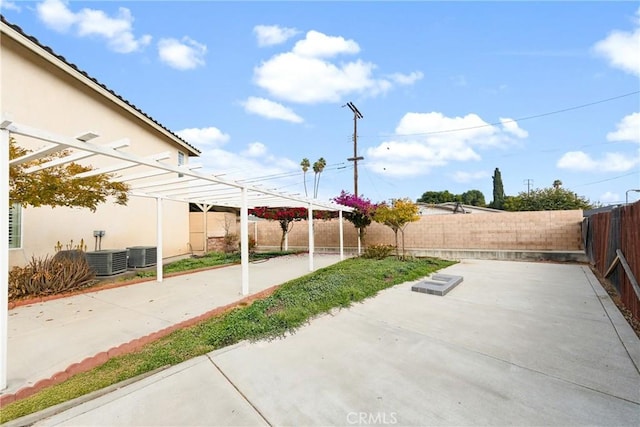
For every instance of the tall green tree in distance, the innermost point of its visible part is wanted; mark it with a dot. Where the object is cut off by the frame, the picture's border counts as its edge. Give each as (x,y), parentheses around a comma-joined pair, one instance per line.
(546,199)
(438,197)
(318,167)
(498,190)
(473,198)
(305,164)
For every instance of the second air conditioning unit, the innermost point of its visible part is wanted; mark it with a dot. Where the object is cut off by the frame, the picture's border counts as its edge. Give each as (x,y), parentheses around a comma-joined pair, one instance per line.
(142,256)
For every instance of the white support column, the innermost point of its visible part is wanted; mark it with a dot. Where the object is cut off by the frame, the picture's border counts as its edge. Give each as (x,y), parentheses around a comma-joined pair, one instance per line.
(340,225)
(205,208)
(4,255)
(159,239)
(244,242)
(311,240)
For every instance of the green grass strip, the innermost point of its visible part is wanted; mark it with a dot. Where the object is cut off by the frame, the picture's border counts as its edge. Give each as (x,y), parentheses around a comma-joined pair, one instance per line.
(212,259)
(291,306)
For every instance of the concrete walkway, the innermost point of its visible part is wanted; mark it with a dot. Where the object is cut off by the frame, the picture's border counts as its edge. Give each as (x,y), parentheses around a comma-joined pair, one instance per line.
(46,338)
(515,344)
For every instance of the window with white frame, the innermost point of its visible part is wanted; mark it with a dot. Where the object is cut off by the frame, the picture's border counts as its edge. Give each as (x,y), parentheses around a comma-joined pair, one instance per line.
(180,161)
(15,226)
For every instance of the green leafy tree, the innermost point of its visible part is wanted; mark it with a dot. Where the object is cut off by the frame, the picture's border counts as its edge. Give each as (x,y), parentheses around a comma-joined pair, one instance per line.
(305,164)
(318,167)
(498,191)
(547,199)
(397,216)
(57,185)
(473,198)
(439,197)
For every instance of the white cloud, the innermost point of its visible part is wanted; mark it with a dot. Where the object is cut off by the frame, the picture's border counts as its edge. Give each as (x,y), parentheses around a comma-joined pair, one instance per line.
(464,177)
(271,110)
(270,35)
(609,197)
(318,45)
(611,162)
(255,149)
(622,48)
(9,5)
(182,54)
(306,75)
(425,141)
(511,126)
(252,165)
(204,137)
(56,15)
(406,79)
(627,130)
(117,31)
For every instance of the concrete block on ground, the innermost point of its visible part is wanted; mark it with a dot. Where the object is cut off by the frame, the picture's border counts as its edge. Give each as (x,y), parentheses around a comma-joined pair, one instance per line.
(440,284)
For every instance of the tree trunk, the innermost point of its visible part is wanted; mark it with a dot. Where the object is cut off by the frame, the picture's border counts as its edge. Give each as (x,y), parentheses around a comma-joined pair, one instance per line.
(395,232)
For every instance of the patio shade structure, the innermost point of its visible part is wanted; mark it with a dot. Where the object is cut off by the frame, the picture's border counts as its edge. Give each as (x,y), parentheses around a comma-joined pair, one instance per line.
(147,177)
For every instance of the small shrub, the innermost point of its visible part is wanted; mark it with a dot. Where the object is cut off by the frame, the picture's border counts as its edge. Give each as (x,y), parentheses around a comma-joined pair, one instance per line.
(230,243)
(378,251)
(49,276)
(252,244)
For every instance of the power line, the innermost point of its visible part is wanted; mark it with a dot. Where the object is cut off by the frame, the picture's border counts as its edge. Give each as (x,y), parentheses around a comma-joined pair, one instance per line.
(535,116)
(609,179)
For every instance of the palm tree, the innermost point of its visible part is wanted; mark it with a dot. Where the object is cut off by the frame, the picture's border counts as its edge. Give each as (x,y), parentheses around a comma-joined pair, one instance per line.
(318,167)
(305,167)
(557,184)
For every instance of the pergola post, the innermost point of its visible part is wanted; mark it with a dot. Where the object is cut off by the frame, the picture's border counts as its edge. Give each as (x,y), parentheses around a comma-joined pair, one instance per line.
(4,255)
(244,241)
(341,227)
(311,240)
(159,239)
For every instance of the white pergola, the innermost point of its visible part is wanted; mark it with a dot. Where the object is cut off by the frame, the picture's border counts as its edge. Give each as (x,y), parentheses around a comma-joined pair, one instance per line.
(147,177)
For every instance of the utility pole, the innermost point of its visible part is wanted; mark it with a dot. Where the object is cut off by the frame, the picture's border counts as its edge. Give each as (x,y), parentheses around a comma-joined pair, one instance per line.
(355,158)
(529,183)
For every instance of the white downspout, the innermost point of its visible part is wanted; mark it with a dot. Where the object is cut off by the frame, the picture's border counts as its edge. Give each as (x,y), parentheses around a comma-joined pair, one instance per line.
(4,257)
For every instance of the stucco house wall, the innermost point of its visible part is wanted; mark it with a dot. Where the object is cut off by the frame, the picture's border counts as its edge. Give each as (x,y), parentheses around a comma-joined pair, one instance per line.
(41,90)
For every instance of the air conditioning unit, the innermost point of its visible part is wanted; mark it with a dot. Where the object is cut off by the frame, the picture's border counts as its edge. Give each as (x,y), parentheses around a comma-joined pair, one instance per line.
(108,262)
(142,256)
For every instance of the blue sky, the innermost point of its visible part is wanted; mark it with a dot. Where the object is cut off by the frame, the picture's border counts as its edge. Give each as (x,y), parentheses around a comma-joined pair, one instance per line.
(448,91)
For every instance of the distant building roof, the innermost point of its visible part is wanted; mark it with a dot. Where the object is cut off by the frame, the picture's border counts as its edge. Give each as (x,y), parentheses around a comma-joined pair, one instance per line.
(454,207)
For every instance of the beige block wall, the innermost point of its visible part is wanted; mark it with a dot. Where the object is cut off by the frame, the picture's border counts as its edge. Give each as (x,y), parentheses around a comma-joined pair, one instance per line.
(548,231)
(218,225)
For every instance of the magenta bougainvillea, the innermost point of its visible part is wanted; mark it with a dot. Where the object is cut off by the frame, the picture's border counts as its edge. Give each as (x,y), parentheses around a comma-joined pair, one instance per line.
(363,211)
(288,216)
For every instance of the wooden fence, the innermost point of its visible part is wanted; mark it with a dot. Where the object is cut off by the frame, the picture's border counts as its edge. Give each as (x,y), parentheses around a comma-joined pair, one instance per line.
(612,243)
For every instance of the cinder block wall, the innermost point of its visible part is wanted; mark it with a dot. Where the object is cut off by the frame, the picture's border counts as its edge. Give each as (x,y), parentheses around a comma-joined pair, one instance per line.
(547,230)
